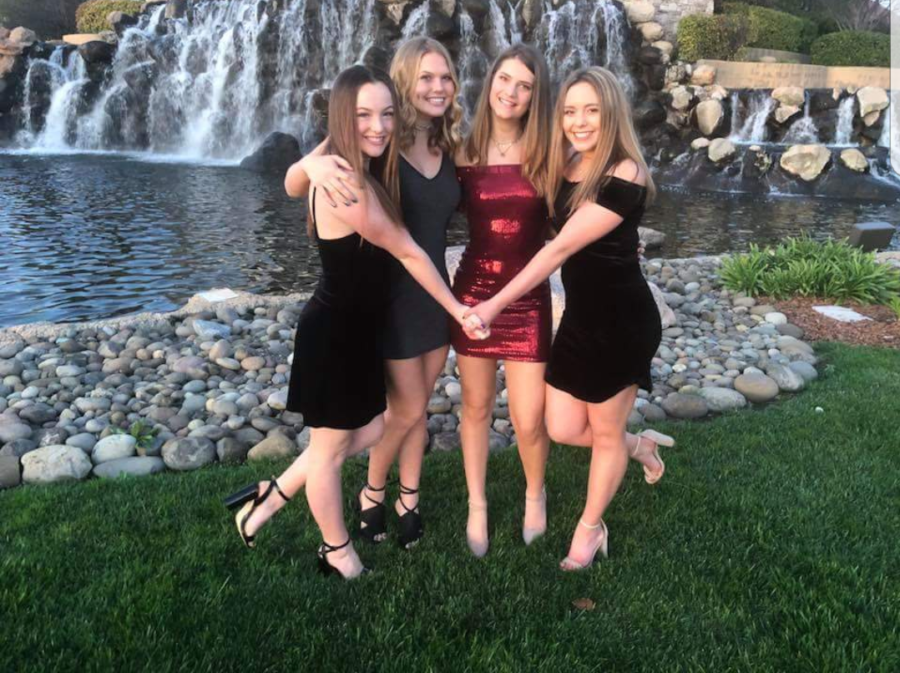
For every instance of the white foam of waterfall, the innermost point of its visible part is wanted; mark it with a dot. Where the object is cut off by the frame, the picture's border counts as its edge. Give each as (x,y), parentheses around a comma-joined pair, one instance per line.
(417,22)
(844,130)
(803,131)
(748,123)
(67,76)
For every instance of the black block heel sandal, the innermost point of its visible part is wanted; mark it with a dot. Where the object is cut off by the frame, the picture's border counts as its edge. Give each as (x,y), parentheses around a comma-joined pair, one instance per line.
(372,523)
(411,528)
(248,499)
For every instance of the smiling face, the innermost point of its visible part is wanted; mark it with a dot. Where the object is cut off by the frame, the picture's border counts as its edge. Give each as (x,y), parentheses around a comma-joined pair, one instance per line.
(434,88)
(374,118)
(581,117)
(511,90)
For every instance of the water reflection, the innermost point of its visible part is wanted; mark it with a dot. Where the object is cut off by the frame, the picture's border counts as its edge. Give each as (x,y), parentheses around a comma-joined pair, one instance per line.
(91,236)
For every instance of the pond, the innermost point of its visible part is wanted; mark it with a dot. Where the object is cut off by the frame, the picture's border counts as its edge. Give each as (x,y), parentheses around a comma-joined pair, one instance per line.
(88,236)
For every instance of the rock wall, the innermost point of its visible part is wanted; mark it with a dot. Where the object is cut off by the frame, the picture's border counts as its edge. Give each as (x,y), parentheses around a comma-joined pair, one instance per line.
(670,12)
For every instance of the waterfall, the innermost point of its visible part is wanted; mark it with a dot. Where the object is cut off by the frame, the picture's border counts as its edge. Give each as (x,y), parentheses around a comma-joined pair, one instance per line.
(891,116)
(803,131)
(845,121)
(751,127)
(416,23)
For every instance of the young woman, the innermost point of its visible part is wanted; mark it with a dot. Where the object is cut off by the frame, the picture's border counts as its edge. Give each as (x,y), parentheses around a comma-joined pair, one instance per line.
(417,331)
(337,379)
(609,333)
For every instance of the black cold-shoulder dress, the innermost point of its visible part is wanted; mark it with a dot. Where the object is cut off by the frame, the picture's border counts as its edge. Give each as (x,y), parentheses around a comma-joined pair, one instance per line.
(610,328)
(337,376)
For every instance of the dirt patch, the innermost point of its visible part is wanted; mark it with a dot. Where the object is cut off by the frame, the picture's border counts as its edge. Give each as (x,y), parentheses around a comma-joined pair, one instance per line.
(882,330)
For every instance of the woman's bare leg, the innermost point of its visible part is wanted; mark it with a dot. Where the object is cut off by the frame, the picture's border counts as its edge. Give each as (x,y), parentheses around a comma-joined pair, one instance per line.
(478,377)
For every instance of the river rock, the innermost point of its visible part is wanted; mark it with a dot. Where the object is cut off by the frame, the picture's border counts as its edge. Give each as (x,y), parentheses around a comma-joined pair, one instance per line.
(83,440)
(786,113)
(709,114)
(253,363)
(231,450)
(445,441)
(438,404)
(756,387)
(18,447)
(189,453)
(639,11)
(723,399)
(10,472)
(38,413)
(791,96)
(274,446)
(790,346)
(871,99)
(129,467)
(114,447)
(721,149)
(23,36)
(700,144)
(666,315)
(11,429)
(855,160)
(682,97)
(208,330)
(278,400)
(806,161)
(55,463)
(652,31)
(680,405)
(776,318)
(10,368)
(787,379)
(703,75)
(804,369)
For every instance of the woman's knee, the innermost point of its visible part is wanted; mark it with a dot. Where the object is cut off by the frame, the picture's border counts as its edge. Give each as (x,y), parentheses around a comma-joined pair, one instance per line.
(478,410)
(529,429)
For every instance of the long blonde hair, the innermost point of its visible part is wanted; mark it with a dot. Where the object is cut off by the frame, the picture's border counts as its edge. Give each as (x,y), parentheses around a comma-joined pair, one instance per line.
(343,139)
(445,132)
(536,120)
(616,142)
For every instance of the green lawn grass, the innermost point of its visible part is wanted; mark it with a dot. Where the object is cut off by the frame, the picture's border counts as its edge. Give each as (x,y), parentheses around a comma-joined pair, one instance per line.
(770,545)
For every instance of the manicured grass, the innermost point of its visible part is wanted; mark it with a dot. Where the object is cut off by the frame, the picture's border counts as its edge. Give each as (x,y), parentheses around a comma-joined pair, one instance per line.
(770,545)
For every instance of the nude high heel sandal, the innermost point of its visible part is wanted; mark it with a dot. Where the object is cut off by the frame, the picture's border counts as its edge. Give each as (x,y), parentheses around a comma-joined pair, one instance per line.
(658,439)
(602,546)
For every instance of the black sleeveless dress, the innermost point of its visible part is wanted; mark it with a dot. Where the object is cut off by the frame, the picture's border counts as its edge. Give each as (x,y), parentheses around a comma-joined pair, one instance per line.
(610,329)
(337,376)
(415,323)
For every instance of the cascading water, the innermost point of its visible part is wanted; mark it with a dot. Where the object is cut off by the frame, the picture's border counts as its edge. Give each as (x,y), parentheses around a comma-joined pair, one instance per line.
(804,130)
(417,22)
(748,123)
(844,129)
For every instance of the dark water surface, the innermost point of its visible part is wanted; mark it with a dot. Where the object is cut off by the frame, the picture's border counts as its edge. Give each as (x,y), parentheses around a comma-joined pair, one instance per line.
(92,236)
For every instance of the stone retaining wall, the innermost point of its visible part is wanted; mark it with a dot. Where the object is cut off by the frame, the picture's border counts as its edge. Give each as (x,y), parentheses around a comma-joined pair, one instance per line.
(742,75)
(670,12)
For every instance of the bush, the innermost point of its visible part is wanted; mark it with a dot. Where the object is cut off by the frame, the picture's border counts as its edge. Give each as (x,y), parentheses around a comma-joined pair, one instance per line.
(771,29)
(714,37)
(853,48)
(800,266)
(91,16)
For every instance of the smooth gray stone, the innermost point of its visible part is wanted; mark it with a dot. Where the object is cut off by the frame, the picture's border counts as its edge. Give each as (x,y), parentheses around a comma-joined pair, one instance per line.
(445,441)
(129,467)
(723,399)
(276,445)
(231,450)
(756,387)
(114,447)
(18,447)
(52,464)
(806,370)
(10,472)
(786,378)
(685,406)
(189,453)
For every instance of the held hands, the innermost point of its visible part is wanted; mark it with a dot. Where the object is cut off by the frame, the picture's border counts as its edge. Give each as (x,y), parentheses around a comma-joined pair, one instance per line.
(471,324)
(484,313)
(334,176)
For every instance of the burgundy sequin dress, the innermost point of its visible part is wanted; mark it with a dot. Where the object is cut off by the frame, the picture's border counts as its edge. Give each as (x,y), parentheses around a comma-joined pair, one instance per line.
(507,227)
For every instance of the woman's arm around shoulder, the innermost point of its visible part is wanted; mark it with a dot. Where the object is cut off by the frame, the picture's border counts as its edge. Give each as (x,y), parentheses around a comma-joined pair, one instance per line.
(332,173)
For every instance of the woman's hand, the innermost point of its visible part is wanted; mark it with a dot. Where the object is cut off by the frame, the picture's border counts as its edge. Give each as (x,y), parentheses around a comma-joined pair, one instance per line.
(334,176)
(486,312)
(471,324)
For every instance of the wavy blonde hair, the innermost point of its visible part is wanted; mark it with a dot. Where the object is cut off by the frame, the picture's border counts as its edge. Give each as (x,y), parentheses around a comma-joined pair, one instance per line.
(616,142)
(445,131)
(536,121)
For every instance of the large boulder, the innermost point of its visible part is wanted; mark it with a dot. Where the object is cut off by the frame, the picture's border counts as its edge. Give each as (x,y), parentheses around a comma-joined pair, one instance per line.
(276,154)
(871,99)
(23,36)
(703,75)
(55,463)
(756,387)
(855,160)
(651,31)
(97,52)
(806,161)
(786,113)
(120,21)
(792,96)
(649,113)
(188,453)
(639,11)
(710,114)
(114,447)
(131,467)
(682,97)
(721,149)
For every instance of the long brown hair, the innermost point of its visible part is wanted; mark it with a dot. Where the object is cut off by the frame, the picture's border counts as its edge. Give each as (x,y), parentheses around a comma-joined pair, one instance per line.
(445,132)
(343,139)
(617,140)
(536,121)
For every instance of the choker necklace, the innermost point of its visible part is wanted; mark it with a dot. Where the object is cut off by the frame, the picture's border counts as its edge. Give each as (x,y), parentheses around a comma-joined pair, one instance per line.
(503,148)
(426,127)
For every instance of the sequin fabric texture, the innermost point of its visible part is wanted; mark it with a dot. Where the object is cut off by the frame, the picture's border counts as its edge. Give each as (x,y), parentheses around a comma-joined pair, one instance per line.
(507,226)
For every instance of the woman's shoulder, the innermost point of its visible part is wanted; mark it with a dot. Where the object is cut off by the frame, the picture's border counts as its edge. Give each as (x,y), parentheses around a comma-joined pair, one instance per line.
(629,171)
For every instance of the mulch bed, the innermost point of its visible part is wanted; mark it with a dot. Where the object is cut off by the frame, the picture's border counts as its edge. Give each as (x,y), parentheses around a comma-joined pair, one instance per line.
(882,330)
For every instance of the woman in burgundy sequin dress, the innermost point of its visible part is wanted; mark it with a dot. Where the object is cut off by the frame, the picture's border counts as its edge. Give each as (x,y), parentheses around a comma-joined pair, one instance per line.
(502,171)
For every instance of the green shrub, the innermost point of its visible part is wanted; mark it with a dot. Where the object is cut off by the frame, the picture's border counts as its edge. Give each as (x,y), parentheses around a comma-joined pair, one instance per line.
(91,16)
(714,37)
(853,48)
(800,266)
(771,29)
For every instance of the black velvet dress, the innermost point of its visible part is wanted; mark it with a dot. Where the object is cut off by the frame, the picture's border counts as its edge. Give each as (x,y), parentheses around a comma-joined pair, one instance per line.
(610,329)
(337,376)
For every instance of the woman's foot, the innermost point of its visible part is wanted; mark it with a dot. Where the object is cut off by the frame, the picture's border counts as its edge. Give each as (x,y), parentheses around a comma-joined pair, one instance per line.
(535,522)
(646,452)
(586,542)
(410,528)
(342,560)
(262,512)
(372,524)
(477,528)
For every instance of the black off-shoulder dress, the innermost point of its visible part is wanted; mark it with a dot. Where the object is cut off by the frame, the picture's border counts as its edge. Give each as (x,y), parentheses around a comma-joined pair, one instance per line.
(610,329)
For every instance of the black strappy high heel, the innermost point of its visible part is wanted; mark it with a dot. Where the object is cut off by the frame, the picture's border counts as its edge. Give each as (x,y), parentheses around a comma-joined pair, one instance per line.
(372,523)
(324,566)
(411,528)
(248,499)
